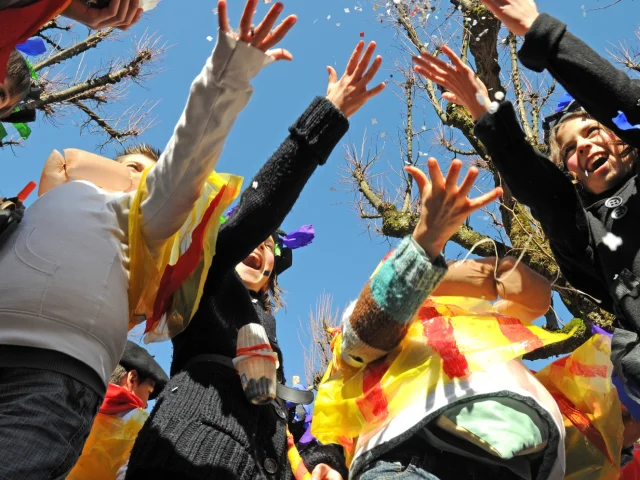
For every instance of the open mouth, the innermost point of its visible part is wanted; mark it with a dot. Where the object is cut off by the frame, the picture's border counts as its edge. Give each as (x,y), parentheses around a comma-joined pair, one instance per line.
(253,261)
(597,163)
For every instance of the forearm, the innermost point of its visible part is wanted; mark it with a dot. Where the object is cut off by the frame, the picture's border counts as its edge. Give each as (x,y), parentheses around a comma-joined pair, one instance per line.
(531,177)
(270,196)
(388,302)
(596,84)
(217,96)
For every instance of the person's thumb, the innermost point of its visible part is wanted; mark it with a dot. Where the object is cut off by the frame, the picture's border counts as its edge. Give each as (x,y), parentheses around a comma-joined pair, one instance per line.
(333,76)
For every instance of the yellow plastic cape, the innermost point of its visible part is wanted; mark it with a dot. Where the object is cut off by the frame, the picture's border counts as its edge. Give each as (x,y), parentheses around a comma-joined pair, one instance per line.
(108,446)
(449,338)
(166,290)
(581,385)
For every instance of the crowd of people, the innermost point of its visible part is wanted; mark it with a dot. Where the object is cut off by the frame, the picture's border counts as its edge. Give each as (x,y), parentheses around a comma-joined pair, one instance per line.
(426,380)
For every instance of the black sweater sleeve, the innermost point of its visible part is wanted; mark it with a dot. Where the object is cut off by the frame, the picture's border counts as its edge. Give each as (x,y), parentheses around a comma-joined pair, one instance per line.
(271,194)
(553,200)
(598,86)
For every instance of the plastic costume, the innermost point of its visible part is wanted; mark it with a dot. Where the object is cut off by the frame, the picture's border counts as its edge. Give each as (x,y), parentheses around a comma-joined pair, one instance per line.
(581,385)
(164,291)
(455,349)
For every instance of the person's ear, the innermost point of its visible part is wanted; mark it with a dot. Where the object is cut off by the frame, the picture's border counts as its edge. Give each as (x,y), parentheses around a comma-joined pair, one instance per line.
(132,379)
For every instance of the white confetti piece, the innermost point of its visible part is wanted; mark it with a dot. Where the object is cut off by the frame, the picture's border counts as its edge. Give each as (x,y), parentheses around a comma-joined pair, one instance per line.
(346,10)
(374,121)
(337,24)
(475,22)
(499,96)
(383,134)
(493,107)
(210,38)
(612,241)
(329,17)
(424,128)
(357,9)
(254,185)
(174,389)
(480,99)
(215,11)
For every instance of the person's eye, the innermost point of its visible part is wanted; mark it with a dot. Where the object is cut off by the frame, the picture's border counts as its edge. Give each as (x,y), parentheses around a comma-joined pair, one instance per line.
(136,166)
(3,95)
(593,131)
(567,151)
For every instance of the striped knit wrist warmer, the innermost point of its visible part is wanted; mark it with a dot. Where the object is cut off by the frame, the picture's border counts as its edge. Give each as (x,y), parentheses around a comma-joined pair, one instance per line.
(388,303)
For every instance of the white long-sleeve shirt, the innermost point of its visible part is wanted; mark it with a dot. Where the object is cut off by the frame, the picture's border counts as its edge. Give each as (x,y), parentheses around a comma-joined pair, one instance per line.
(64,273)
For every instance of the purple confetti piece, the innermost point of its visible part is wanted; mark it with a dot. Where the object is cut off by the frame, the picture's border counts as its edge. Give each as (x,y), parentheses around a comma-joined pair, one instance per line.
(33,47)
(595,330)
(622,123)
(301,237)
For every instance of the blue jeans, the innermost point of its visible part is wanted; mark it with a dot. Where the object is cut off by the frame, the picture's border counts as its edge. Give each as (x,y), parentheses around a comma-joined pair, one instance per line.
(383,469)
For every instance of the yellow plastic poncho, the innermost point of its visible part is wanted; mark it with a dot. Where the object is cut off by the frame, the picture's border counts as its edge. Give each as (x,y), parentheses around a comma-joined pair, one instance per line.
(165,290)
(108,446)
(449,338)
(581,385)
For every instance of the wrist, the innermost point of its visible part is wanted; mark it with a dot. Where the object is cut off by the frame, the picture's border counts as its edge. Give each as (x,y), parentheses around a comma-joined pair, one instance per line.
(528,22)
(431,246)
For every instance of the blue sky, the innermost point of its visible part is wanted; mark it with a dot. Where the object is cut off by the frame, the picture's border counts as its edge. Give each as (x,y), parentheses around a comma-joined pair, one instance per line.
(343,255)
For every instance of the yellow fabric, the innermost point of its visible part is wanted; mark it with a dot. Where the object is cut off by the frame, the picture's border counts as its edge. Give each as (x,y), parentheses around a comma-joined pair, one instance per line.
(584,379)
(414,369)
(108,446)
(146,271)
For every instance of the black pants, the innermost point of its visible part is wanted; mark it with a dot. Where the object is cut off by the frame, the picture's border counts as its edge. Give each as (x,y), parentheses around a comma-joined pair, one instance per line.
(45,418)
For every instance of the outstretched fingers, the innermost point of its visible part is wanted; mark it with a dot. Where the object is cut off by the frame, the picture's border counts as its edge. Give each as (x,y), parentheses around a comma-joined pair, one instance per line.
(223,19)
(375,66)
(435,173)
(280,32)
(484,200)
(246,20)
(364,61)
(264,27)
(355,57)
(451,182)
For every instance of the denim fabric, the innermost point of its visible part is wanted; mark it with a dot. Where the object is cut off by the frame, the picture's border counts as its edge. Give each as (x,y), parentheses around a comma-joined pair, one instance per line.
(45,418)
(383,469)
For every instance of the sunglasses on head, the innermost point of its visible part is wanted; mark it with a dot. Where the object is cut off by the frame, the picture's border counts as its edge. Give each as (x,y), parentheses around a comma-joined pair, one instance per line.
(550,122)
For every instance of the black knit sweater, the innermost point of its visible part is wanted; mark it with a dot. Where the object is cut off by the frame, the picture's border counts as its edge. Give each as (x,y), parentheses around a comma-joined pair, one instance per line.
(202,426)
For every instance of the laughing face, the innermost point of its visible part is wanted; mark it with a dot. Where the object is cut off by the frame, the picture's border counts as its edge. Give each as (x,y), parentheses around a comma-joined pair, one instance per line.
(592,154)
(256,269)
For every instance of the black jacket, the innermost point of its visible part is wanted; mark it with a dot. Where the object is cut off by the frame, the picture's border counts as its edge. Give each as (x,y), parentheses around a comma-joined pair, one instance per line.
(202,426)
(574,221)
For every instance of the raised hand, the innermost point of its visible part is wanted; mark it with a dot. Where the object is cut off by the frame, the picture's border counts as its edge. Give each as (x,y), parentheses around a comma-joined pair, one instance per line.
(517,15)
(462,84)
(349,93)
(120,14)
(445,206)
(263,37)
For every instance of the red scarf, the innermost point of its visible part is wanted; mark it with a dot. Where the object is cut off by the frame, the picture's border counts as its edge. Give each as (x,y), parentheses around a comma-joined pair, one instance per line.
(18,24)
(119,400)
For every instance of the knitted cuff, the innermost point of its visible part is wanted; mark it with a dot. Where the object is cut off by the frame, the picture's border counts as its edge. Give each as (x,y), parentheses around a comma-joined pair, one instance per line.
(405,280)
(498,130)
(322,126)
(541,42)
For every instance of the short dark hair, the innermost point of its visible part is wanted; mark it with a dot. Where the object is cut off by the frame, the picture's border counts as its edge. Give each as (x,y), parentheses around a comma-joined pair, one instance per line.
(18,81)
(120,372)
(148,151)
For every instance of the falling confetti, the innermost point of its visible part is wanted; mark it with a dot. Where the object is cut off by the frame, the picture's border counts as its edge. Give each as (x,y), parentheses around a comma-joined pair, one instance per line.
(612,241)
(357,9)
(374,121)
(329,17)
(337,24)
(383,134)
(499,96)
(254,185)
(480,99)
(210,38)
(361,34)
(424,128)
(346,10)
(493,107)
(623,123)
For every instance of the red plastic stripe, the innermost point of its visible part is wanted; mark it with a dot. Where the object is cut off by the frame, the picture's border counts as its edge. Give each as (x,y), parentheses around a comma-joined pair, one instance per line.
(516,332)
(26,191)
(260,346)
(439,334)
(176,275)
(582,423)
(373,404)
(582,370)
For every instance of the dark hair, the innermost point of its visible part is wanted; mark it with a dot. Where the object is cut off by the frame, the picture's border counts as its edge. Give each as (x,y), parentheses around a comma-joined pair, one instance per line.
(120,372)
(271,297)
(17,81)
(148,151)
